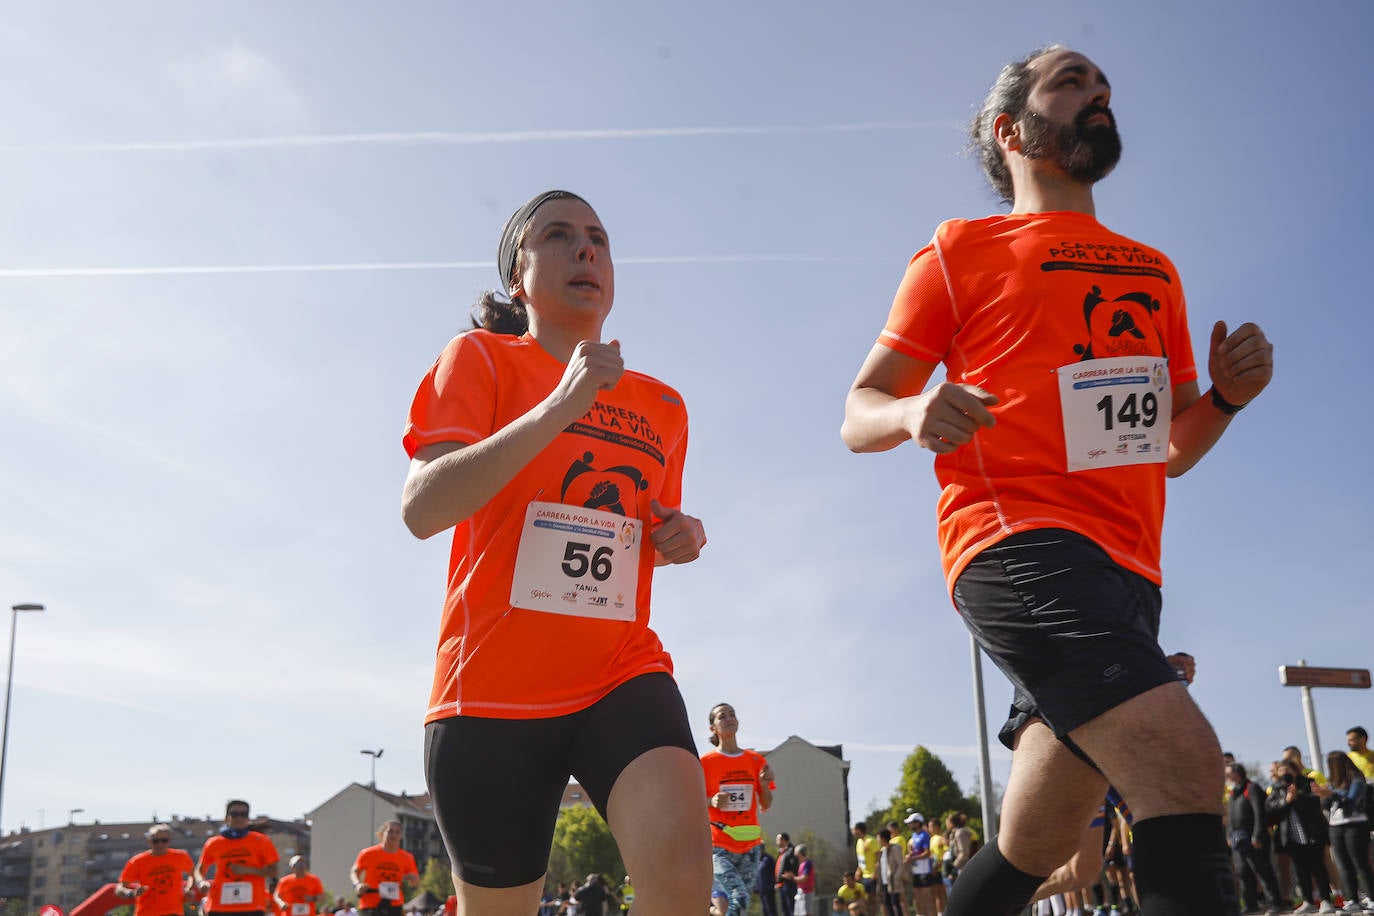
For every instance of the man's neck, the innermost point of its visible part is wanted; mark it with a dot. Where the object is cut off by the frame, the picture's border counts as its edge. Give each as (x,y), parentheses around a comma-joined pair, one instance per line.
(1052,192)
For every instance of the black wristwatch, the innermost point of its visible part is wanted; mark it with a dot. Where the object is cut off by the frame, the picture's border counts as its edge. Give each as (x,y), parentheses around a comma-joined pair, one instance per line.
(1223,405)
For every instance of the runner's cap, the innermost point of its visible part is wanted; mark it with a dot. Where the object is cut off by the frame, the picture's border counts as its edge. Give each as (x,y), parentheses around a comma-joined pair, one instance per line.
(914,817)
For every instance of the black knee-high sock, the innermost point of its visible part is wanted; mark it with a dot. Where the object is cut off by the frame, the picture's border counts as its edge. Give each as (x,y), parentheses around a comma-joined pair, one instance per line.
(1098,895)
(1113,893)
(989,885)
(1183,867)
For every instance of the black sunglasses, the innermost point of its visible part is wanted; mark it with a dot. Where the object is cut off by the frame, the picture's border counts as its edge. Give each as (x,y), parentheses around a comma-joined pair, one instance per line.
(238,813)
(160,839)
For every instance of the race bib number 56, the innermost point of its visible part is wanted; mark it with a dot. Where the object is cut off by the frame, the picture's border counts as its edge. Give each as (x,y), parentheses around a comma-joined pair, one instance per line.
(577,561)
(1116,411)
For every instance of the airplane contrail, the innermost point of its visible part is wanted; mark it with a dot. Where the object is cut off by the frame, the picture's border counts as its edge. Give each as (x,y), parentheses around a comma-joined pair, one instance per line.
(462,138)
(155,270)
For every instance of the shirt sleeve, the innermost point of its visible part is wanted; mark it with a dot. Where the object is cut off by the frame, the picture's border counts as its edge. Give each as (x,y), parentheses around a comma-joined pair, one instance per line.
(671,493)
(922,322)
(1182,362)
(456,399)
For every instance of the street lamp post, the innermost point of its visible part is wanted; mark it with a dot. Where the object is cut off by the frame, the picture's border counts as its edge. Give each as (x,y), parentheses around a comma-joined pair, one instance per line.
(372,794)
(9,688)
(72,813)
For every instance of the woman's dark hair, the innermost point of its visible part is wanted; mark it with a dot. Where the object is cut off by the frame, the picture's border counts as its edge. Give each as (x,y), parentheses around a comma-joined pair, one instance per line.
(1008,95)
(498,312)
(500,315)
(1341,770)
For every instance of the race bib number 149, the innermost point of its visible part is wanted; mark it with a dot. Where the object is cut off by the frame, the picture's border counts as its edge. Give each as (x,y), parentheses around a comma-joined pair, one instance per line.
(1116,411)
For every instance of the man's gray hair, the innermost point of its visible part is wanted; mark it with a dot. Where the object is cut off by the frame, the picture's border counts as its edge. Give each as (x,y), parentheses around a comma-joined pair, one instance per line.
(1009,94)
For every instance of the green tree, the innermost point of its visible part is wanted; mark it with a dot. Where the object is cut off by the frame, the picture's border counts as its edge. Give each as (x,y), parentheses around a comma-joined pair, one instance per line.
(437,879)
(15,906)
(582,844)
(926,786)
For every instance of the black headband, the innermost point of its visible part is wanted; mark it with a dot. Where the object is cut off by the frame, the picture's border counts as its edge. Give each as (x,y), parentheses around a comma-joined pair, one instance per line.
(510,235)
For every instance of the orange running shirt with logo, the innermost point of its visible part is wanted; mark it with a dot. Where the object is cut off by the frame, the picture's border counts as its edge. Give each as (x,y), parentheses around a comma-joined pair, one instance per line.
(293,891)
(385,873)
(1004,302)
(230,892)
(164,877)
(498,661)
(736,826)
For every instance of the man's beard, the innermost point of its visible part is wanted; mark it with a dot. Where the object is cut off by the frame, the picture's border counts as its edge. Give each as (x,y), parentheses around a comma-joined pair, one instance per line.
(1085,152)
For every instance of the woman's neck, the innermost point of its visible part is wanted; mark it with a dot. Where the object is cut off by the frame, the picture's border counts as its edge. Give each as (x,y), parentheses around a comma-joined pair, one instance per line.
(559,340)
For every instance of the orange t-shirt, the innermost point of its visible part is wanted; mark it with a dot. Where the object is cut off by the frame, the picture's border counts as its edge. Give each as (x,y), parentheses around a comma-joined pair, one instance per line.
(164,877)
(293,891)
(385,873)
(231,893)
(1003,302)
(736,826)
(626,450)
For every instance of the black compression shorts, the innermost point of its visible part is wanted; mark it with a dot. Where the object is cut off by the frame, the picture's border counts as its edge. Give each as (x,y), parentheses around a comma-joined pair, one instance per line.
(1075,632)
(496,783)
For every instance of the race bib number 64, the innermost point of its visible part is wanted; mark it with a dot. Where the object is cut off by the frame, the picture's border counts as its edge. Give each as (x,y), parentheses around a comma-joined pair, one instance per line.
(577,561)
(738,796)
(1116,411)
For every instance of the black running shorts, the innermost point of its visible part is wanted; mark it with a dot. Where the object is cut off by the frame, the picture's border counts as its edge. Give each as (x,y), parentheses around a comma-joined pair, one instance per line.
(1075,632)
(496,783)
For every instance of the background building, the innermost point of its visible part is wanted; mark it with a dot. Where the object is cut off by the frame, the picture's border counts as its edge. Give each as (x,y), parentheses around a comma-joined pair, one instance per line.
(65,865)
(347,823)
(812,793)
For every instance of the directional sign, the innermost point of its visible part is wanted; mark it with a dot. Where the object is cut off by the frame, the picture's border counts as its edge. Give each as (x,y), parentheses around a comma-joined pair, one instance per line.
(1304,676)
(50,910)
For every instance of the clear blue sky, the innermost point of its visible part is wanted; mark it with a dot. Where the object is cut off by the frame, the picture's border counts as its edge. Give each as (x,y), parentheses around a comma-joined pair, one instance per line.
(202,469)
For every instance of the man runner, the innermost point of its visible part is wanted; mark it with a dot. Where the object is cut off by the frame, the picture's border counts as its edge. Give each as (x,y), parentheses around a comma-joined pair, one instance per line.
(1071,394)
(299,893)
(236,865)
(158,880)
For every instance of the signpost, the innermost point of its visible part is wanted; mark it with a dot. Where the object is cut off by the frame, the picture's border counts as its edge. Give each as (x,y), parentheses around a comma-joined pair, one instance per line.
(1302,676)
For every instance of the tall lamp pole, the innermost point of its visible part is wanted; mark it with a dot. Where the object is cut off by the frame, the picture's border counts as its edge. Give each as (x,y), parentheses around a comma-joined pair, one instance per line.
(9,688)
(372,795)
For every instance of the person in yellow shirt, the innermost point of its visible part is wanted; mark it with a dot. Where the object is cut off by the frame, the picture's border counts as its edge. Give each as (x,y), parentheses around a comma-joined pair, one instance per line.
(866,851)
(851,897)
(1357,740)
(938,847)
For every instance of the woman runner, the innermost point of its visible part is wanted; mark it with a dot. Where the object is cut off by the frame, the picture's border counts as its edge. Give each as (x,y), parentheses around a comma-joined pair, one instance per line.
(560,472)
(739,784)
